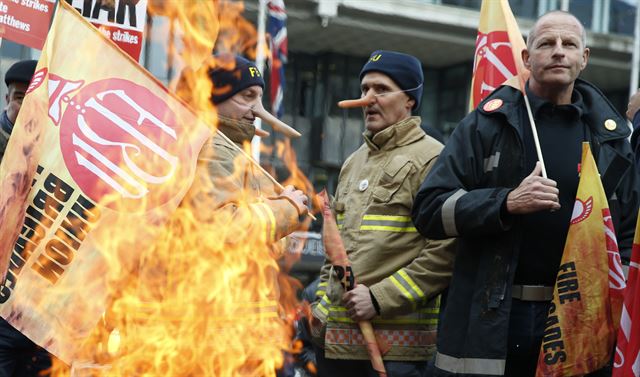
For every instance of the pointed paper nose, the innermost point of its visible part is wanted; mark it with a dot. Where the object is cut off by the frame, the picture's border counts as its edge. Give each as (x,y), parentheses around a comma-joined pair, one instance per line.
(360,102)
(275,123)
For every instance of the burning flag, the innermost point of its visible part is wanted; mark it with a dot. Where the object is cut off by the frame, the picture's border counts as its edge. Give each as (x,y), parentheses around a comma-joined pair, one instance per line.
(498,50)
(627,358)
(101,155)
(580,329)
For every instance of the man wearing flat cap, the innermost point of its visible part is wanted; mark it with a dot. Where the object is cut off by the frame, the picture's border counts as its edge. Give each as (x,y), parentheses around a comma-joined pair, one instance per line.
(399,273)
(19,356)
(17,79)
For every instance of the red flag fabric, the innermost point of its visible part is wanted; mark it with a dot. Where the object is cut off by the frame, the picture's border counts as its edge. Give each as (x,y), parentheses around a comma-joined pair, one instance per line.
(580,333)
(498,50)
(627,357)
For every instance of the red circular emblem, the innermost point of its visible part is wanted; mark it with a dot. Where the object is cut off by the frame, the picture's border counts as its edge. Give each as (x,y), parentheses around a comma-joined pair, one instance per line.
(492,105)
(121,145)
(493,64)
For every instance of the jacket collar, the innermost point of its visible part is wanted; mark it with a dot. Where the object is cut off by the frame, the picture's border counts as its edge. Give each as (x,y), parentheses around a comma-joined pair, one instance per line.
(237,131)
(402,133)
(598,112)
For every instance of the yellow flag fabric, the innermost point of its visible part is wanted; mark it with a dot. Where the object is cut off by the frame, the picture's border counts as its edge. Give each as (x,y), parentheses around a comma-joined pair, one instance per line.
(498,50)
(98,140)
(579,333)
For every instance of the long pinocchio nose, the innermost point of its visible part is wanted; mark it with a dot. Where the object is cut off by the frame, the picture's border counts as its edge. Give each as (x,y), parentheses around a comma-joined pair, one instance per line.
(360,102)
(276,123)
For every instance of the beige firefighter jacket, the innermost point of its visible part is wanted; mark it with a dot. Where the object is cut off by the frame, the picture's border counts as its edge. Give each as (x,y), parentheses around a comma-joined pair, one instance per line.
(404,271)
(226,180)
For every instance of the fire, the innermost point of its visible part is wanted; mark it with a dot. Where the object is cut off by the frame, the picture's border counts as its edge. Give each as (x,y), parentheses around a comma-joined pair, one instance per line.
(203,294)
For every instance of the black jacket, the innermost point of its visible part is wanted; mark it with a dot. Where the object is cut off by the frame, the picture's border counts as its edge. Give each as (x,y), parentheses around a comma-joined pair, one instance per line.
(463,196)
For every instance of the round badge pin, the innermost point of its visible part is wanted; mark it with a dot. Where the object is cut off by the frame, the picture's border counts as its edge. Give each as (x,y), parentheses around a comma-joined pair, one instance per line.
(363,185)
(610,124)
(492,105)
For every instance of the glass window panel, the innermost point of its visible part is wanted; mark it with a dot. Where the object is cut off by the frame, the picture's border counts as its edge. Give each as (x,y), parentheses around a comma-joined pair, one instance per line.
(583,9)
(524,8)
(622,17)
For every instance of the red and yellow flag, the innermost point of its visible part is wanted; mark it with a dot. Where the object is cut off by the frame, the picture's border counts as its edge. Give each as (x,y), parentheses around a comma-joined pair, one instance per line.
(580,329)
(98,142)
(627,358)
(498,50)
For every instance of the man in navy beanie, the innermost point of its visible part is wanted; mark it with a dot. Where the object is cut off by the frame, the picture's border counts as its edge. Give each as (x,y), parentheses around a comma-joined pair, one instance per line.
(228,185)
(399,273)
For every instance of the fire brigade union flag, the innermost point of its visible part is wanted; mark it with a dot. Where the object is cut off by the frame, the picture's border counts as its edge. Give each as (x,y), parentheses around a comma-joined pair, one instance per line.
(498,50)
(581,324)
(98,141)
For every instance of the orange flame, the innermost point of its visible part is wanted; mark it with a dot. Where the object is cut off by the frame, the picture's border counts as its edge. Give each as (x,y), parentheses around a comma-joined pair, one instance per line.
(202,295)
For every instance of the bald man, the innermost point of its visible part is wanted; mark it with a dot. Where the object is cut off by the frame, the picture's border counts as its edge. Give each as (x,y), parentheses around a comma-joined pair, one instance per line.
(486,189)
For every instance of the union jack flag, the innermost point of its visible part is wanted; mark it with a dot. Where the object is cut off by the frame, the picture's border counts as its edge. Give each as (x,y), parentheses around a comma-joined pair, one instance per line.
(277,29)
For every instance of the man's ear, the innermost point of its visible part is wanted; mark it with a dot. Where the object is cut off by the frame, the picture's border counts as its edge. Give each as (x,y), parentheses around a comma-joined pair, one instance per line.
(585,58)
(525,58)
(410,103)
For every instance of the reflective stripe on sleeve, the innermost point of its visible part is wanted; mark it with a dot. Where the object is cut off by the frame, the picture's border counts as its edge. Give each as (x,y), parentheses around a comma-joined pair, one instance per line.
(407,286)
(265,214)
(493,367)
(491,162)
(388,223)
(322,288)
(340,220)
(324,304)
(449,213)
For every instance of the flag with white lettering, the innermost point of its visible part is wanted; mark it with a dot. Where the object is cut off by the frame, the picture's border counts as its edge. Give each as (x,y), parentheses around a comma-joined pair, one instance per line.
(627,358)
(121,21)
(98,142)
(498,50)
(581,325)
(277,29)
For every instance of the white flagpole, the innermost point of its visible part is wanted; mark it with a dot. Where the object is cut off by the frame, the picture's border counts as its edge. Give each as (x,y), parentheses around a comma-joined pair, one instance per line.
(534,131)
(260,56)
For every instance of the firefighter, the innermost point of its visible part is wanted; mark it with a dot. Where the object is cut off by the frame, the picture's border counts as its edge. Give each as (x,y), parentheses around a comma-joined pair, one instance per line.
(399,273)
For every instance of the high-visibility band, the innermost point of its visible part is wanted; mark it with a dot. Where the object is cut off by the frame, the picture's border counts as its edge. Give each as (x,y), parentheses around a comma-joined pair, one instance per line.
(421,312)
(449,213)
(402,289)
(424,316)
(324,304)
(491,162)
(493,367)
(397,338)
(267,218)
(407,286)
(322,288)
(340,221)
(387,223)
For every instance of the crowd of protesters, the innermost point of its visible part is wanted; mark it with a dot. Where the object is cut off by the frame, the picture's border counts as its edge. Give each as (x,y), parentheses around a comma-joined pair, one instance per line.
(456,248)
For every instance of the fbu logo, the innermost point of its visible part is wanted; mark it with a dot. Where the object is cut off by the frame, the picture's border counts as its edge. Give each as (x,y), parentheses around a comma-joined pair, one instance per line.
(119,141)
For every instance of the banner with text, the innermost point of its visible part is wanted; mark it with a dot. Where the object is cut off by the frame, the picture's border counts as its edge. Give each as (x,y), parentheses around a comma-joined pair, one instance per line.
(100,154)
(26,21)
(121,21)
(581,324)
